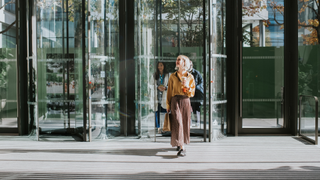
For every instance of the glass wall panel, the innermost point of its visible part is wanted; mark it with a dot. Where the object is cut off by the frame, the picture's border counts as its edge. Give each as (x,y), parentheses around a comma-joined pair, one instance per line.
(262,63)
(190,20)
(309,51)
(146,59)
(8,66)
(308,117)
(164,30)
(58,69)
(104,58)
(218,69)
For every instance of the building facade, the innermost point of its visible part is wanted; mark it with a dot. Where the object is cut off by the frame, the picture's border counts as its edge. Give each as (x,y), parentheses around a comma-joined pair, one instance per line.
(86,67)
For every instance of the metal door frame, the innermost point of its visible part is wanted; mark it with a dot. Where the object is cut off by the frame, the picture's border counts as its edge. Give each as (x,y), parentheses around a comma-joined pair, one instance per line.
(234,65)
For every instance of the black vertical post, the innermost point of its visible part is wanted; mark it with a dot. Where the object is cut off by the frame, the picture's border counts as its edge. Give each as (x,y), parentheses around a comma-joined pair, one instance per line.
(122,64)
(67,24)
(31,75)
(156,28)
(106,45)
(251,35)
(18,63)
(84,82)
(130,70)
(179,22)
(127,64)
(157,3)
(204,55)
(21,26)
(157,116)
(160,26)
(291,64)
(68,73)
(238,51)
(222,67)
(210,66)
(63,54)
(233,31)
(62,31)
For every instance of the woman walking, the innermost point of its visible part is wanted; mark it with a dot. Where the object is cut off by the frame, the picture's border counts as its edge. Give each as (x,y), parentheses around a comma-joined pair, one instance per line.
(161,77)
(180,88)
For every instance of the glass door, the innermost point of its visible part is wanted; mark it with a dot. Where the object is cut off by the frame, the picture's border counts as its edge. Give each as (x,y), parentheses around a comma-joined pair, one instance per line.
(8,68)
(308,64)
(145,58)
(103,73)
(164,30)
(55,68)
(217,64)
(262,67)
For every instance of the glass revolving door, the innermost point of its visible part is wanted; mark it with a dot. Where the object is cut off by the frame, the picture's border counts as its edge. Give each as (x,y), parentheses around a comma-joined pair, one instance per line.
(55,69)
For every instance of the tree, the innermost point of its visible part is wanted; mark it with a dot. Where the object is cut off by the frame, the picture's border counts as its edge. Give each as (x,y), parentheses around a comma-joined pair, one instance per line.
(191,17)
(256,39)
(73,8)
(251,8)
(10,2)
(309,10)
(3,72)
(4,66)
(312,24)
(306,84)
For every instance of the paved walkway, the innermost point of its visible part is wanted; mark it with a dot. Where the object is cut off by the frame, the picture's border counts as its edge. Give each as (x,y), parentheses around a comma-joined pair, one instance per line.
(246,157)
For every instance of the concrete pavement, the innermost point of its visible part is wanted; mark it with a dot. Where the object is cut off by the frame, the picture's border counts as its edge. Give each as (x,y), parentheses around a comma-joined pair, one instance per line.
(245,157)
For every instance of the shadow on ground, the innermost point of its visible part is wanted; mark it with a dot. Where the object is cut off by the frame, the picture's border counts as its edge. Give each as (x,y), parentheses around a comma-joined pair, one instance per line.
(129,152)
(300,139)
(283,172)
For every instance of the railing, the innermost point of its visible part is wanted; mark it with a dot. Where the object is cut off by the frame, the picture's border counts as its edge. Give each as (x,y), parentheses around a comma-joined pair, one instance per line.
(306,124)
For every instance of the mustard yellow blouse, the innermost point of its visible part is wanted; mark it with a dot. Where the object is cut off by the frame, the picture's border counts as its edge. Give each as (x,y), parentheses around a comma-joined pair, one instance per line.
(175,87)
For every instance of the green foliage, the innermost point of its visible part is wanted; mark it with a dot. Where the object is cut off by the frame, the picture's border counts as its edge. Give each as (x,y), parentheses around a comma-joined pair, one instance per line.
(191,18)
(3,74)
(246,37)
(306,78)
(54,78)
(4,66)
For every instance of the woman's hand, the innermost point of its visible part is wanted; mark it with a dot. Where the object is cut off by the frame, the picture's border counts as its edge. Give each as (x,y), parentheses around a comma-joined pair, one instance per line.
(185,83)
(168,110)
(161,88)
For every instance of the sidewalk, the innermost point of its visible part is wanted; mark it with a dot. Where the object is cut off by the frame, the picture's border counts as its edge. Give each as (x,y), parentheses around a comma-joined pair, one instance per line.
(246,157)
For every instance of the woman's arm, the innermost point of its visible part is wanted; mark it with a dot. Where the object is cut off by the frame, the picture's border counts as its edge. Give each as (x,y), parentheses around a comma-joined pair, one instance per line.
(169,93)
(166,86)
(192,88)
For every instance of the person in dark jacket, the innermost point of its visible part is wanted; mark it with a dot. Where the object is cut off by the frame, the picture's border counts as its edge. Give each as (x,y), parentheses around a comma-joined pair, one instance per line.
(197,99)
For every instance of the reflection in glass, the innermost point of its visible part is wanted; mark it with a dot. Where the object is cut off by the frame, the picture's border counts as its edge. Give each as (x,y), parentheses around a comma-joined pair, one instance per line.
(57,84)
(104,56)
(218,70)
(8,67)
(308,48)
(145,66)
(165,29)
(308,116)
(262,66)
